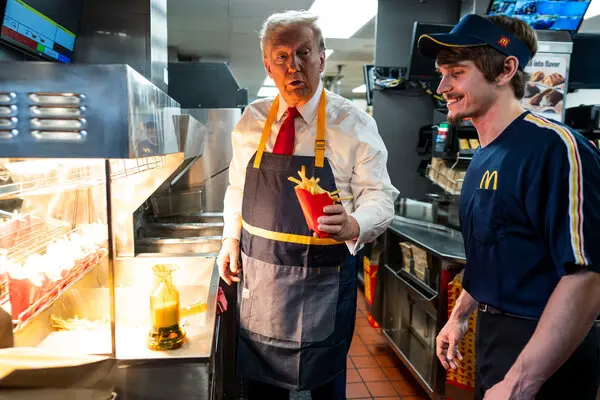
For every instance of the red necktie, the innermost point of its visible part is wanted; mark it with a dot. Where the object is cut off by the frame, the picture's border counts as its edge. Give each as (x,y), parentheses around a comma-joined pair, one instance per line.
(285,138)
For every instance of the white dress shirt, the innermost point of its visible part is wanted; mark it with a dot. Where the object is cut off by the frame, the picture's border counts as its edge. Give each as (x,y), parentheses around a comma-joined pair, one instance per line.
(355,151)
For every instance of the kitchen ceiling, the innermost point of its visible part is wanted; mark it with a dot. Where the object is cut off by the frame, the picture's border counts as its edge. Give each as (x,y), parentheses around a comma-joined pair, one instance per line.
(227,30)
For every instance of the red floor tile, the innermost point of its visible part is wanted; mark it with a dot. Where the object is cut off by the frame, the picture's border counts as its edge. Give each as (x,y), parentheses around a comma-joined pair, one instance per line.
(364,361)
(405,388)
(372,374)
(359,350)
(380,350)
(352,376)
(394,374)
(380,389)
(365,330)
(387,360)
(373,338)
(356,391)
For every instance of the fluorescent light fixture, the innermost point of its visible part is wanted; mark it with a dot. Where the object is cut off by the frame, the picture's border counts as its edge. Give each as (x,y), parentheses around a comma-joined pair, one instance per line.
(360,89)
(268,91)
(593,9)
(341,19)
(328,52)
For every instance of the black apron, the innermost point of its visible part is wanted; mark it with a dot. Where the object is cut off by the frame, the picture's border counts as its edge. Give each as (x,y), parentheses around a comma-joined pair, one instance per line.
(297,296)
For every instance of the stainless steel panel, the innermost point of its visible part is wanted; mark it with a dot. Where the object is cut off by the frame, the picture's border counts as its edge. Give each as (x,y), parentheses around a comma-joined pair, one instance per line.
(126,115)
(60,136)
(192,135)
(219,124)
(192,229)
(75,124)
(8,123)
(128,194)
(59,99)
(7,98)
(57,112)
(7,135)
(189,245)
(8,111)
(177,203)
(209,172)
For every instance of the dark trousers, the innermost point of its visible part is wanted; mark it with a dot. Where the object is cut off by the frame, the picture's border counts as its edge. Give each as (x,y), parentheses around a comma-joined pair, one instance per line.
(500,340)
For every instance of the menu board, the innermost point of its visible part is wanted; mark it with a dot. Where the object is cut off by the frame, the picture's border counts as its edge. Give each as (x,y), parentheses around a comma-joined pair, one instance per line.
(26,27)
(545,90)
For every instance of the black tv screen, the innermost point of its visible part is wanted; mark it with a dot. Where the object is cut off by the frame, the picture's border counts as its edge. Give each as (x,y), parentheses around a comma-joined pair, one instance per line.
(423,68)
(565,15)
(583,70)
(44,28)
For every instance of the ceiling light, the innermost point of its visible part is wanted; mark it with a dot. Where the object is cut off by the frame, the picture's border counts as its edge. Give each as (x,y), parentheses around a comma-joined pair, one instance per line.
(360,89)
(340,19)
(268,91)
(593,10)
(328,52)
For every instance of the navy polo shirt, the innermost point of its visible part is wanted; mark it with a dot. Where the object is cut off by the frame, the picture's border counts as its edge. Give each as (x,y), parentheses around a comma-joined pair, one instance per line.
(529,214)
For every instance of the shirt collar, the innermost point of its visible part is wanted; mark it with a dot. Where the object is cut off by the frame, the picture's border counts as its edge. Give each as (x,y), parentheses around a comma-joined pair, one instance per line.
(308,110)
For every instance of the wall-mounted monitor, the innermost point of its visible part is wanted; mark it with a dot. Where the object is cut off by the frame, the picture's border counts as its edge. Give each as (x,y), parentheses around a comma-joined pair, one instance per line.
(43,28)
(422,68)
(583,71)
(557,15)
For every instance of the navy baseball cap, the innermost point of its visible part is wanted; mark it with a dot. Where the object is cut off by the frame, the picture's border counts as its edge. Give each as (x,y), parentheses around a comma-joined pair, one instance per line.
(474,30)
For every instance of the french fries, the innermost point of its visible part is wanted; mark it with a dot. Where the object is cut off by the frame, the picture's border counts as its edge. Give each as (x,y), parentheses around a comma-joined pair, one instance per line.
(311,185)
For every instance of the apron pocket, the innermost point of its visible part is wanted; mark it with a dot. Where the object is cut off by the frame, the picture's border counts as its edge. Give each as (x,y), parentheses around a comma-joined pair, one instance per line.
(295,304)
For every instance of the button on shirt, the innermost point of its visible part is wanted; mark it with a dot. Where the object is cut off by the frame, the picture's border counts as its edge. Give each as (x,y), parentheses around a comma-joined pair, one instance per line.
(355,151)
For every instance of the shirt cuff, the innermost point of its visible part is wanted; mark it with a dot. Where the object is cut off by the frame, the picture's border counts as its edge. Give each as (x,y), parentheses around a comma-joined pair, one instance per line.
(232,229)
(365,226)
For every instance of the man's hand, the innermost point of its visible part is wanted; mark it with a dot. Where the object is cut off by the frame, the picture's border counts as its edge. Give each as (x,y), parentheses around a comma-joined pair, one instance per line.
(338,223)
(509,390)
(229,260)
(448,340)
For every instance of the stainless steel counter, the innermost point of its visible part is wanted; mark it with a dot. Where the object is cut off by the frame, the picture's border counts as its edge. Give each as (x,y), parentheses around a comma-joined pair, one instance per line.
(420,259)
(439,240)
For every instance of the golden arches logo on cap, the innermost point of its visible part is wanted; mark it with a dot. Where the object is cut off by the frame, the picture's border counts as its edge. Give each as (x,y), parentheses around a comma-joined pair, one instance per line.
(503,41)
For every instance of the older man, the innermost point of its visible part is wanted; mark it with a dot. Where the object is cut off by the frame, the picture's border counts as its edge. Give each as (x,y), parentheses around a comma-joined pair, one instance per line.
(297,291)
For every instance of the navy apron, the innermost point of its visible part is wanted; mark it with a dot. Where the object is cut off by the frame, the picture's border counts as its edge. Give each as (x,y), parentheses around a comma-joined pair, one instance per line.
(297,295)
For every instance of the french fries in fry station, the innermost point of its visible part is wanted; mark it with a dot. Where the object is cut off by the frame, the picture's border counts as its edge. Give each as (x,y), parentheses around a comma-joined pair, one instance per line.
(313,198)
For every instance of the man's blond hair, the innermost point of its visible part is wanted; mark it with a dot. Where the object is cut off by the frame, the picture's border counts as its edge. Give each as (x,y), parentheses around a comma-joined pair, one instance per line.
(281,21)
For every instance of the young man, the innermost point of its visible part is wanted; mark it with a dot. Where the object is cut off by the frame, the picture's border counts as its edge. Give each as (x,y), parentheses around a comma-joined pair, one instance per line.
(297,292)
(529,212)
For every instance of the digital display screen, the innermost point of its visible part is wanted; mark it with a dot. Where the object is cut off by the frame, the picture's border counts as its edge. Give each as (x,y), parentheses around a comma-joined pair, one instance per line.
(565,15)
(26,27)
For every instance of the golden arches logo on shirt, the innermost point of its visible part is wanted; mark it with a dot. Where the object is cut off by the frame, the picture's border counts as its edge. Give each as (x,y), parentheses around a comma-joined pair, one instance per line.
(487,179)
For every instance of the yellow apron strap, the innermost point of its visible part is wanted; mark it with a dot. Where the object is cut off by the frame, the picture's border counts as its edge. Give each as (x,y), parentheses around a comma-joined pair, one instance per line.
(320,142)
(266,132)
